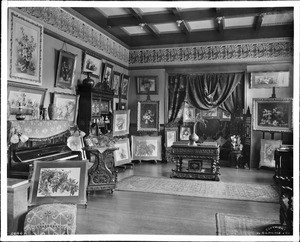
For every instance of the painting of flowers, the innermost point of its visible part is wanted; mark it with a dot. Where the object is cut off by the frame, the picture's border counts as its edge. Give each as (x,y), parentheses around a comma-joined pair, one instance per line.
(171,137)
(269,79)
(146,147)
(65,106)
(91,64)
(122,154)
(148,116)
(59,181)
(30,99)
(210,114)
(65,69)
(188,114)
(25,50)
(272,114)
(267,151)
(121,122)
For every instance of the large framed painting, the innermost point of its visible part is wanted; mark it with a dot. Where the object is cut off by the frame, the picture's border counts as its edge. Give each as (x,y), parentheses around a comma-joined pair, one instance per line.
(59,181)
(270,79)
(107,74)
(146,147)
(273,114)
(124,86)
(29,98)
(171,136)
(189,114)
(65,106)
(121,121)
(145,83)
(25,50)
(267,151)
(116,83)
(210,114)
(65,69)
(148,116)
(91,64)
(122,154)
(185,132)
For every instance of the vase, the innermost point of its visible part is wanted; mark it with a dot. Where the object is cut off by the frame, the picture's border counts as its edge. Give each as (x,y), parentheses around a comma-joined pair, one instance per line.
(51,111)
(20,115)
(194,137)
(88,81)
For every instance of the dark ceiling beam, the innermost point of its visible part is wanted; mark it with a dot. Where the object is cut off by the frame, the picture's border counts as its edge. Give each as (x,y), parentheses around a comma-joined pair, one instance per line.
(182,25)
(152,30)
(191,15)
(136,14)
(258,21)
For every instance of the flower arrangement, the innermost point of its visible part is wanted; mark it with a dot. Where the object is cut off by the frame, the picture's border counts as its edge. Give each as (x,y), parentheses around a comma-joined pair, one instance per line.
(236,143)
(17,136)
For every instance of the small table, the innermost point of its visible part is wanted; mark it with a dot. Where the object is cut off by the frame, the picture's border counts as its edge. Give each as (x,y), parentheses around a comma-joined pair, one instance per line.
(203,161)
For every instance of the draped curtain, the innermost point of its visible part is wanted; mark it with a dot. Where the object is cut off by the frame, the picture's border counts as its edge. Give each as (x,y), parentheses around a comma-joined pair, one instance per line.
(205,91)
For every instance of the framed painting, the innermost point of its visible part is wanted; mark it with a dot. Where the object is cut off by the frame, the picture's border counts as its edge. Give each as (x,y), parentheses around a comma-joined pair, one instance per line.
(269,79)
(171,136)
(273,114)
(30,98)
(65,69)
(122,155)
(65,106)
(116,83)
(124,86)
(224,115)
(59,181)
(267,151)
(104,106)
(121,121)
(91,64)
(210,114)
(148,116)
(25,50)
(147,83)
(146,147)
(185,132)
(189,114)
(107,74)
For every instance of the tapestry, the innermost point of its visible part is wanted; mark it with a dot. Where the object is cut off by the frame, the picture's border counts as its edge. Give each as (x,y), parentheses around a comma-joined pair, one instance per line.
(200,188)
(230,224)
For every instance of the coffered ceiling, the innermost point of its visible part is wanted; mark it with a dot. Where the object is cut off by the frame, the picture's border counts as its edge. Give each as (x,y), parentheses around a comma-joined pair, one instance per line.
(143,27)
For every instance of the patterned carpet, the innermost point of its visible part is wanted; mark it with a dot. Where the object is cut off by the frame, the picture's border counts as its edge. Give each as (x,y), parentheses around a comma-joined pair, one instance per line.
(200,188)
(229,224)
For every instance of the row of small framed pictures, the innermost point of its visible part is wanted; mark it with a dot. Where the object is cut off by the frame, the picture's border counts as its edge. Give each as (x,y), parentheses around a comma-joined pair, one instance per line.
(189,114)
(31,100)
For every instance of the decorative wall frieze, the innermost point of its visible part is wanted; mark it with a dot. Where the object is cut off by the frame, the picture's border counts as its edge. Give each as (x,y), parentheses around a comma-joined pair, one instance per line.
(251,51)
(59,21)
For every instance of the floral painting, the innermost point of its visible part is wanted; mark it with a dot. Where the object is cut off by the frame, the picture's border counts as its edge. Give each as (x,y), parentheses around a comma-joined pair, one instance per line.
(65,69)
(272,114)
(185,132)
(171,137)
(267,152)
(210,114)
(147,84)
(188,114)
(107,75)
(146,147)
(270,79)
(30,99)
(60,181)
(122,154)
(124,86)
(65,106)
(148,116)
(116,83)
(25,50)
(91,64)
(121,122)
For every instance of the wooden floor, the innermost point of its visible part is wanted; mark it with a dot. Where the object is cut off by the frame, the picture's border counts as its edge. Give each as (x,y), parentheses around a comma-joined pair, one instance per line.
(147,213)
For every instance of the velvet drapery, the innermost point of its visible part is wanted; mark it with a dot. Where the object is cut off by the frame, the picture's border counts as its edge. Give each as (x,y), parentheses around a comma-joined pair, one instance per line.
(205,91)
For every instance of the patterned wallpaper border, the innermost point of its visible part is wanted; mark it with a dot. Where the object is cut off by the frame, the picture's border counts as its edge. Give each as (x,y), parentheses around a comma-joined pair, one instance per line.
(57,18)
(256,51)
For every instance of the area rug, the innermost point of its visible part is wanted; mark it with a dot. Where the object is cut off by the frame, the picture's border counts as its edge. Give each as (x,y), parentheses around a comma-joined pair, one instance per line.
(200,188)
(229,224)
